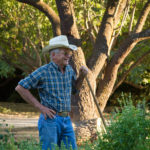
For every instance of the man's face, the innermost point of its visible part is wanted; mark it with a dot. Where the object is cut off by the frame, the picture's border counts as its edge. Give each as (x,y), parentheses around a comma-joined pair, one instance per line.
(62,58)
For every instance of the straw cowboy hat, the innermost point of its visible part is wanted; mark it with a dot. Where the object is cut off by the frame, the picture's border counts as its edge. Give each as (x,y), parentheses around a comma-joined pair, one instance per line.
(58,42)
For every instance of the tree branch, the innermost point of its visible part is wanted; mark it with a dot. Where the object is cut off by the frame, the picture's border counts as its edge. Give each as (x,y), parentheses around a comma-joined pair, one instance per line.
(123,20)
(21,59)
(143,17)
(38,58)
(114,36)
(132,18)
(125,49)
(122,4)
(136,49)
(140,87)
(69,28)
(139,60)
(106,85)
(41,44)
(90,24)
(108,24)
(48,11)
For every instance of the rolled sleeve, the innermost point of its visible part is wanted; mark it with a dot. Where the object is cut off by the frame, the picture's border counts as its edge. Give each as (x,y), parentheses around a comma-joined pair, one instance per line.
(32,81)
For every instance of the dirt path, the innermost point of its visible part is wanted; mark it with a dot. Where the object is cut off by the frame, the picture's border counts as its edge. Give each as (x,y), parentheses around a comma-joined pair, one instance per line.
(20,119)
(20,127)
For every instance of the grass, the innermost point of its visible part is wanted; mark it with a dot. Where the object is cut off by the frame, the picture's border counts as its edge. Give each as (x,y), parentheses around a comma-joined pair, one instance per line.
(18,109)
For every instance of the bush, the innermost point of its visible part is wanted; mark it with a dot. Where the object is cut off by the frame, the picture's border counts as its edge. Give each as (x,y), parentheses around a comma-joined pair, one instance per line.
(129,130)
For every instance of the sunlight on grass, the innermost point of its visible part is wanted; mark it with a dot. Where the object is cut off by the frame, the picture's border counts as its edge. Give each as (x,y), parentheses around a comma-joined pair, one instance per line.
(19,109)
(5,110)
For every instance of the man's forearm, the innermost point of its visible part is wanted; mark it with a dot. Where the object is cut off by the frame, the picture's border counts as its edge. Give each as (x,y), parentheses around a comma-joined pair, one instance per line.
(82,73)
(79,81)
(28,97)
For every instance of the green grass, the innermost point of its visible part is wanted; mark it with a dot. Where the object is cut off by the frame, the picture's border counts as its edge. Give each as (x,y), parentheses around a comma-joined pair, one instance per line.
(18,109)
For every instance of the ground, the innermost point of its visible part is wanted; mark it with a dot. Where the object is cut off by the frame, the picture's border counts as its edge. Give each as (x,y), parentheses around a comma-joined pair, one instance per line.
(22,119)
(17,110)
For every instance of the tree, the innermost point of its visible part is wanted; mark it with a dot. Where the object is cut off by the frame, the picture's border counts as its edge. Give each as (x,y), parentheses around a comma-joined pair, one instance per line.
(103,34)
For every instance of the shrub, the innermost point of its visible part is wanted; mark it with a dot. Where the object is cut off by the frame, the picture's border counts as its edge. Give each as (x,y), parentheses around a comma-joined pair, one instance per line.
(129,129)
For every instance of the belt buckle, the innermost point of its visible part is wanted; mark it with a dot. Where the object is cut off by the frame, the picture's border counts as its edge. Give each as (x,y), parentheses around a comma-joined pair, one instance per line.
(63,114)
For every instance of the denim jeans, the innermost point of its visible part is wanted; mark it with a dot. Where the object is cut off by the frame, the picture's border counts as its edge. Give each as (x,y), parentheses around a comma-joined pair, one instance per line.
(56,132)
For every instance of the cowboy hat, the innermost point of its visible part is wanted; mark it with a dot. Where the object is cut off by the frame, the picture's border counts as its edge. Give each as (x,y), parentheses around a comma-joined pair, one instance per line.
(58,42)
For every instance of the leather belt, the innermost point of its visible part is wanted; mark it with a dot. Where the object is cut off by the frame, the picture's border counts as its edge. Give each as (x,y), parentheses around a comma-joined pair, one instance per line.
(63,114)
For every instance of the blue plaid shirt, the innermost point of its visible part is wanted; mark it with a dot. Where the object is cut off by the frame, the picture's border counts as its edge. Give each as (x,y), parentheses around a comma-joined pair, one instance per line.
(54,87)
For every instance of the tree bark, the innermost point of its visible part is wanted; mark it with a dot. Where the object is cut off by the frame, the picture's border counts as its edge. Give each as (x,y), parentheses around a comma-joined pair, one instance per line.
(107,83)
(83,101)
(69,28)
(143,17)
(105,86)
(100,51)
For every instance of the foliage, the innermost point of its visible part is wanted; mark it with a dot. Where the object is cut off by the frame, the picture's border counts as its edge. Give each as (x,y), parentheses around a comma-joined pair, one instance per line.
(8,142)
(129,129)
(21,21)
(89,15)
(140,74)
(137,96)
(20,26)
(6,70)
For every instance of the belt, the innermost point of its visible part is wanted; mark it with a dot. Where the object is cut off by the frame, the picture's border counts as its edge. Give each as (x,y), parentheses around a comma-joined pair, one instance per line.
(63,114)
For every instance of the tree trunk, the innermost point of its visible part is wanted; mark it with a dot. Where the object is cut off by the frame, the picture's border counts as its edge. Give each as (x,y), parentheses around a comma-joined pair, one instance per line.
(83,101)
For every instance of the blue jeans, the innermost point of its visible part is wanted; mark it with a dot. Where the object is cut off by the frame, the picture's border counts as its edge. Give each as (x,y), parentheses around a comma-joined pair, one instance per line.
(55,132)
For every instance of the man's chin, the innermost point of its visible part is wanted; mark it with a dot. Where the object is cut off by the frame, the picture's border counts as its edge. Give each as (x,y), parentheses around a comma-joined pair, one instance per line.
(66,63)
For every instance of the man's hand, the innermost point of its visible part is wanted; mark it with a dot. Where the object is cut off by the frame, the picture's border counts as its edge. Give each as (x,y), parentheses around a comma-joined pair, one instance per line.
(82,73)
(47,112)
(28,97)
(83,70)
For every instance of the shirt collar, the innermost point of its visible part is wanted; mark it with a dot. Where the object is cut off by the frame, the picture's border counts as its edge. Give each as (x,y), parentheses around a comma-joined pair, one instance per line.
(56,66)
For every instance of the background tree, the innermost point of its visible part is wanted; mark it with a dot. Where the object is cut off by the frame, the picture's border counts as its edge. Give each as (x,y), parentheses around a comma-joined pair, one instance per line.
(105,32)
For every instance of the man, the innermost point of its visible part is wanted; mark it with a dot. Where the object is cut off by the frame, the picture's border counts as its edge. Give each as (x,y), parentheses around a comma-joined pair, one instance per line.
(54,82)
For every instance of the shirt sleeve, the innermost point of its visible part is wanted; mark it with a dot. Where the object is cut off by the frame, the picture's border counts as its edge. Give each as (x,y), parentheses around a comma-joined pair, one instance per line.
(33,80)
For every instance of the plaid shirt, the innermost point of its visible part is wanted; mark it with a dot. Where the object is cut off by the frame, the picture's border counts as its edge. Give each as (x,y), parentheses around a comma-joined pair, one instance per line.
(54,87)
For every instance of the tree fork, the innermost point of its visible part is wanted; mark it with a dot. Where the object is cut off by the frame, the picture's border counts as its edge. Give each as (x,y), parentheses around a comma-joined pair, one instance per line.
(106,85)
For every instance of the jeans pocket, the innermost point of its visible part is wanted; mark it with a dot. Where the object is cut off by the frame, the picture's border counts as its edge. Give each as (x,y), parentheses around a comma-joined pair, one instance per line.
(51,120)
